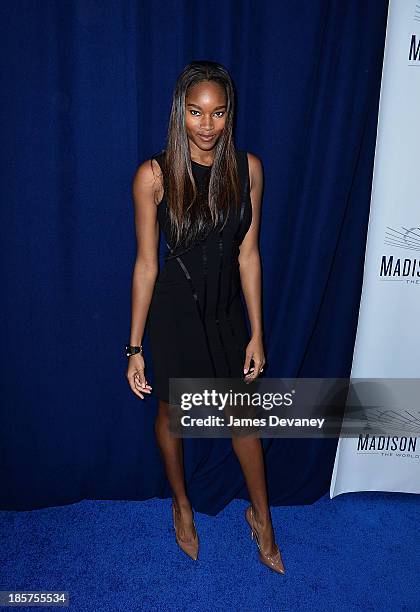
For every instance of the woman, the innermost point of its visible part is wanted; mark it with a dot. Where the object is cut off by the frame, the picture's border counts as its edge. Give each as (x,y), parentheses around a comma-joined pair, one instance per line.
(206,196)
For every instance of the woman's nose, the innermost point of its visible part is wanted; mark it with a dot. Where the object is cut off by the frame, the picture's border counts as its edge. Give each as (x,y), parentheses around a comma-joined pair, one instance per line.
(207,125)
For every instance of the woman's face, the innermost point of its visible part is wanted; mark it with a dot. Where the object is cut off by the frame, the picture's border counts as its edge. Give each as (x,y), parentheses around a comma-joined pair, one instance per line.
(205,114)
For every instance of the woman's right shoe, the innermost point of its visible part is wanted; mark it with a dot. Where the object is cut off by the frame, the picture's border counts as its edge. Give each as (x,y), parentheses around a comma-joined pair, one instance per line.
(189,548)
(274,561)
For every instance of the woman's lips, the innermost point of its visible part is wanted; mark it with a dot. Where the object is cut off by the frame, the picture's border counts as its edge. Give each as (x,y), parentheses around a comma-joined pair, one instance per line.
(206,138)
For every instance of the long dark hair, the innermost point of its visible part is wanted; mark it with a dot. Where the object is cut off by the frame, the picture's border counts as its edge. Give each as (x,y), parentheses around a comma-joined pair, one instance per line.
(192,216)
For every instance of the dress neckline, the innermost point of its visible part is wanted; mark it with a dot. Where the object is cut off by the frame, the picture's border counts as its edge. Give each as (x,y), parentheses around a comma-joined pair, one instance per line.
(202,165)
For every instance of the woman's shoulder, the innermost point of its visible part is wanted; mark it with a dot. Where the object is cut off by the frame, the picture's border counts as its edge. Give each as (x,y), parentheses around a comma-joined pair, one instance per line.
(255,167)
(252,159)
(151,166)
(149,176)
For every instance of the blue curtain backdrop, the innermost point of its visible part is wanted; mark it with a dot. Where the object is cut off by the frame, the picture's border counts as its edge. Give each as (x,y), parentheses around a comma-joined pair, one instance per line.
(87,89)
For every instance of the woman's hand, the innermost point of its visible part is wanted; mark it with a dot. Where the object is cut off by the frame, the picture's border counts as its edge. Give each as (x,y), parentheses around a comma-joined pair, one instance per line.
(135,375)
(254,351)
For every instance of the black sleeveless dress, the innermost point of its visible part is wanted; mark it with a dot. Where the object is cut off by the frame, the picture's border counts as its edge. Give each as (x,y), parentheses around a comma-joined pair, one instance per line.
(196,320)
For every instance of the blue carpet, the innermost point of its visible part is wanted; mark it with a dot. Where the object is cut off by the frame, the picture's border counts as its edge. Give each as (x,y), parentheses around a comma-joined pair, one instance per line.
(359,551)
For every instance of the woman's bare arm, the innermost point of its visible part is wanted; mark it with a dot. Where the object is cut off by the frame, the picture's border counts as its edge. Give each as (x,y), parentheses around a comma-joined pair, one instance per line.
(144,189)
(250,269)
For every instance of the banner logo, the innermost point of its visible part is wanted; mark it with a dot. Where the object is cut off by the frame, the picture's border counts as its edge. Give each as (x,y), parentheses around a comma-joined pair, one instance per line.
(387,445)
(397,268)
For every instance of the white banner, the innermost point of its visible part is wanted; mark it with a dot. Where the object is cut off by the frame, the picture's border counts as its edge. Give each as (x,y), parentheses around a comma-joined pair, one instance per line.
(388,334)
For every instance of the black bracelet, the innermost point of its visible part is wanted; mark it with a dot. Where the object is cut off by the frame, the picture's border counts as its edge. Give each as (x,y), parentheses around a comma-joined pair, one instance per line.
(133,350)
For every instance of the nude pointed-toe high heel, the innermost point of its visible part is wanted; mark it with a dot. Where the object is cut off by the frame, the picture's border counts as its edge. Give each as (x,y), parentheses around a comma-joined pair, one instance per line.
(189,548)
(274,562)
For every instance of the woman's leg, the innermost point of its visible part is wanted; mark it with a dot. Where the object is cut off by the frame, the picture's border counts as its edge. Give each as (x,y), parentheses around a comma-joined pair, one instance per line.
(250,455)
(172,454)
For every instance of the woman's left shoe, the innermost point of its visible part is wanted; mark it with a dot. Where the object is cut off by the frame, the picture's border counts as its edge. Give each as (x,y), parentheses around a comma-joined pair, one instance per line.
(274,561)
